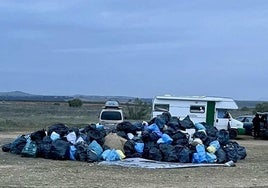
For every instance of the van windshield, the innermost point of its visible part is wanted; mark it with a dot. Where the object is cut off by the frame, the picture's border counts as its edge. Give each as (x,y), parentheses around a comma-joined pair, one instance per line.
(111,115)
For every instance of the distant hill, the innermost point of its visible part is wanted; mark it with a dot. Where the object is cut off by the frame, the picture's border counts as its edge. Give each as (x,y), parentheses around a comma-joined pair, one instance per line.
(15,94)
(21,96)
(248,104)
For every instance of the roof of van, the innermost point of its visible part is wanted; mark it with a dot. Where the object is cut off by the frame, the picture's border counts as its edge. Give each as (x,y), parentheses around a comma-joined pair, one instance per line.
(221,102)
(195,98)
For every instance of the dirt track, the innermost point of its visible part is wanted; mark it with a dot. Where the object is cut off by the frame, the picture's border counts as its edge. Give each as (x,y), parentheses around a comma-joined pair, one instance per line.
(16,171)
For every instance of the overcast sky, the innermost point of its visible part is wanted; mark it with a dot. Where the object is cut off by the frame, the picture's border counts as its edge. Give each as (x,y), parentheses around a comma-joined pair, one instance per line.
(138,48)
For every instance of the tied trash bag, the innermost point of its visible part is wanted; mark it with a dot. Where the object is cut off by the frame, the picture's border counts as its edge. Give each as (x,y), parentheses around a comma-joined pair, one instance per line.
(110,155)
(223,137)
(165,139)
(113,141)
(213,146)
(59,128)
(155,154)
(30,149)
(38,136)
(6,147)
(200,155)
(184,154)
(44,147)
(187,123)
(71,137)
(211,158)
(18,144)
(132,149)
(54,136)
(234,151)
(221,156)
(81,151)
(60,150)
(96,148)
(169,153)
(199,126)
(155,129)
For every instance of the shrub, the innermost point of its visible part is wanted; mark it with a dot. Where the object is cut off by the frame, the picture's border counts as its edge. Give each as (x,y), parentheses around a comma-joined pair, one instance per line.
(75,103)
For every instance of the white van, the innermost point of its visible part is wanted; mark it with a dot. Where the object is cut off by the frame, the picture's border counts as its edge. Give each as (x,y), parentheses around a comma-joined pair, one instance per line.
(212,110)
(111,114)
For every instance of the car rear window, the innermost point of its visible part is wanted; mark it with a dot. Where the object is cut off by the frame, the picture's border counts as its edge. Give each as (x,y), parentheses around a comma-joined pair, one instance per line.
(111,115)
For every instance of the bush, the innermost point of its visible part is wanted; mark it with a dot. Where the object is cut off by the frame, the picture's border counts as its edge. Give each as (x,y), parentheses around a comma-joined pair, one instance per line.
(138,110)
(75,103)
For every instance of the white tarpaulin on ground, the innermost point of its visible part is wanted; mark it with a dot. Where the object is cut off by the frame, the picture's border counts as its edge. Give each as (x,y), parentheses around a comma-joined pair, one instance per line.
(145,163)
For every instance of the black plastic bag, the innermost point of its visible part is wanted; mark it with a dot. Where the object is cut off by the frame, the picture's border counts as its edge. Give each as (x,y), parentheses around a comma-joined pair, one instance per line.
(200,134)
(187,123)
(81,151)
(184,154)
(93,133)
(6,147)
(169,153)
(44,147)
(129,148)
(231,152)
(18,144)
(155,154)
(60,150)
(59,128)
(127,127)
(221,156)
(223,137)
(38,135)
(92,156)
(210,130)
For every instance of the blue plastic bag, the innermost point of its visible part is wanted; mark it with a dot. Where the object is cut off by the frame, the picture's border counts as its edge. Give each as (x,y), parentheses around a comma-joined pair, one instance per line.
(211,158)
(200,126)
(200,155)
(165,139)
(110,155)
(139,146)
(154,128)
(95,147)
(72,152)
(215,144)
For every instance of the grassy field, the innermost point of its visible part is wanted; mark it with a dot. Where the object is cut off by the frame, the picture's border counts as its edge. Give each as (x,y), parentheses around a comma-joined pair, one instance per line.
(17,116)
(31,116)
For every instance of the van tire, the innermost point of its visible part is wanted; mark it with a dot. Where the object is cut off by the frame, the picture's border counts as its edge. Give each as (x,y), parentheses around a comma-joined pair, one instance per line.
(233,133)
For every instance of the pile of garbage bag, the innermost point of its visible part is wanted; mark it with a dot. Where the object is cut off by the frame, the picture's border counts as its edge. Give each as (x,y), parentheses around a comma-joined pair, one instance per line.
(163,138)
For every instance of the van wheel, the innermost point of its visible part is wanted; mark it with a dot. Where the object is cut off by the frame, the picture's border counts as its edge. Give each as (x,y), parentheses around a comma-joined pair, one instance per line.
(233,133)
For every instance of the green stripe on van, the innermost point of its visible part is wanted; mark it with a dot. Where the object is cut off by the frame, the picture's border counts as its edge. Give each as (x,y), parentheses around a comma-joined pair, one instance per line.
(210,112)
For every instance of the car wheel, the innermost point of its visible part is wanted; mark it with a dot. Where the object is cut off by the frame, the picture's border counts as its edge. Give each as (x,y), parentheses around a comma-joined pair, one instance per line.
(233,133)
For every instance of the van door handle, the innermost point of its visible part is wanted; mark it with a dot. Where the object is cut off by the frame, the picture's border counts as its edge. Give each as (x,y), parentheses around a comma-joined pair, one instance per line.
(217,120)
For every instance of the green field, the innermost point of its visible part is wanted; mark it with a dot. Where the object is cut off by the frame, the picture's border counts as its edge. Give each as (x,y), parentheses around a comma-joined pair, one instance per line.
(31,116)
(21,116)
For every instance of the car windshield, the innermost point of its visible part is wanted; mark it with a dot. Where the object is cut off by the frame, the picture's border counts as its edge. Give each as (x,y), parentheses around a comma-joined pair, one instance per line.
(111,115)
(240,118)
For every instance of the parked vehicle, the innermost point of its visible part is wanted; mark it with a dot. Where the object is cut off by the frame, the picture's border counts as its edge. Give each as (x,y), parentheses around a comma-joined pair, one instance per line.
(247,123)
(111,114)
(212,110)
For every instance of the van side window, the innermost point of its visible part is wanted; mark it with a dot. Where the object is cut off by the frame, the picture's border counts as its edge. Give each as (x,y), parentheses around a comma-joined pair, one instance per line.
(197,109)
(161,107)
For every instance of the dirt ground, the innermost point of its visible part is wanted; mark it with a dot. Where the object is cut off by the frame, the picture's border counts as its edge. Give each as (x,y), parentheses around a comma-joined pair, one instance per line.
(16,171)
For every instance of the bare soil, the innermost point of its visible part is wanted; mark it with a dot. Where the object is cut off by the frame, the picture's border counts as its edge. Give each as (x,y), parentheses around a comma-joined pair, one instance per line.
(17,171)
